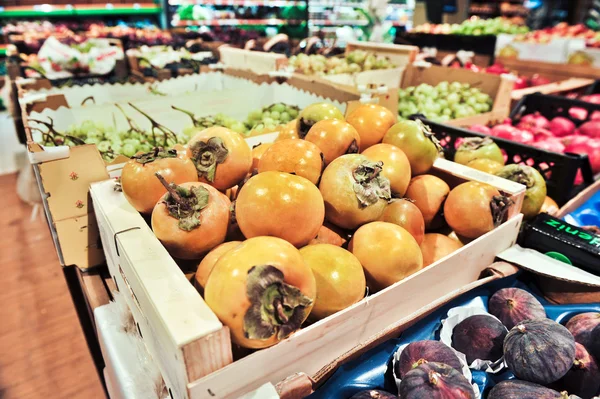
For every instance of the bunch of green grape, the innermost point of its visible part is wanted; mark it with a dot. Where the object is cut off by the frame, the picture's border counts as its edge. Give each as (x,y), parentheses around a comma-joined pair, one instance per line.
(355,61)
(443,102)
(111,141)
(271,116)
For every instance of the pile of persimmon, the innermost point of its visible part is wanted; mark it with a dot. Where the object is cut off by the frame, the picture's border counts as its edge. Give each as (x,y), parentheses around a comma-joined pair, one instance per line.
(298,229)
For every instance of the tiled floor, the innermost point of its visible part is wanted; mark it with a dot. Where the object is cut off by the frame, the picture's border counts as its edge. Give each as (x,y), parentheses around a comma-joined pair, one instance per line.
(43,353)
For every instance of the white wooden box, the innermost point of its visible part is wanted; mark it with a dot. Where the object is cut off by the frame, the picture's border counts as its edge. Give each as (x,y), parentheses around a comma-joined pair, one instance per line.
(192,348)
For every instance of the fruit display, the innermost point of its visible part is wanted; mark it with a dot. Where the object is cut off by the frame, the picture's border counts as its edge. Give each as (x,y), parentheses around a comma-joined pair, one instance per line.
(540,351)
(427,351)
(353,62)
(302,227)
(562,31)
(581,327)
(474,27)
(479,337)
(444,102)
(512,305)
(436,381)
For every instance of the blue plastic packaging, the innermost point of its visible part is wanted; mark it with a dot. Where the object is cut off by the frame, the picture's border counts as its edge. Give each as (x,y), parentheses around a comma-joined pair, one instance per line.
(373,369)
(587,214)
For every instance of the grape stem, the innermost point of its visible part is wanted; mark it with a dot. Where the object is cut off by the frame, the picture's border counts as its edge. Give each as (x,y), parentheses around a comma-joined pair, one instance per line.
(52,133)
(188,113)
(133,127)
(157,126)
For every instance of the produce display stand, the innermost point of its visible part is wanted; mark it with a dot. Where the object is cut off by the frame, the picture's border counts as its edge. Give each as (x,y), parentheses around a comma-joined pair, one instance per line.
(559,170)
(497,87)
(192,348)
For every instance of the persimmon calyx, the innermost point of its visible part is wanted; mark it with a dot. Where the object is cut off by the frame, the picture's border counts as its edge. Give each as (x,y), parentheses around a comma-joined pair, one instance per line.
(276,307)
(430,135)
(474,143)
(185,204)
(369,184)
(155,154)
(517,174)
(499,205)
(208,155)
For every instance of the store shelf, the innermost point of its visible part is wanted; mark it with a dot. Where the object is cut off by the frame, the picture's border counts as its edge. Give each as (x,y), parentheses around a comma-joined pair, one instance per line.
(68,10)
(244,3)
(232,22)
(339,22)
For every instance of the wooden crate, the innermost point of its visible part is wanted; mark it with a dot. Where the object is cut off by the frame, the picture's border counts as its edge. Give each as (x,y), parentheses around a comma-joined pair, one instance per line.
(399,55)
(555,88)
(554,72)
(499,88)
(192,348)
(255,61)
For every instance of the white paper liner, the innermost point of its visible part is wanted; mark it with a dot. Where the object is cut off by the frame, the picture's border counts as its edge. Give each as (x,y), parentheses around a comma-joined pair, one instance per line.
(455,316)
(463,360)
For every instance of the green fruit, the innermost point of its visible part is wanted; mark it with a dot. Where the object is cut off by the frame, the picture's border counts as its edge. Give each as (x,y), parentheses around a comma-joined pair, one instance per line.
(418,143)
(315,113)
(533,181)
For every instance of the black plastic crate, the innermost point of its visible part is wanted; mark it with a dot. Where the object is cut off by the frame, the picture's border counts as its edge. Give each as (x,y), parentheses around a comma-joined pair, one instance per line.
(551,106)
(483,45)
(594,88)
(559,170)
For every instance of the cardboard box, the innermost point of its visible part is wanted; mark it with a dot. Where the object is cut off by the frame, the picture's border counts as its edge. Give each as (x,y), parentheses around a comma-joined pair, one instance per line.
(556,50)
(497,87)
(192,348)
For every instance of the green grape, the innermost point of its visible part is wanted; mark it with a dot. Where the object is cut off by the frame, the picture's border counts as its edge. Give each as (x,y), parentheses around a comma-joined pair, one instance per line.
(285,117)
(279,107)
(129,149)
(275,115)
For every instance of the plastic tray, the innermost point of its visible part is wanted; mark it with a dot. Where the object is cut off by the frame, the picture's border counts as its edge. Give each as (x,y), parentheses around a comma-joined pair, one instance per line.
(559,170)
(373,369)
(588,214)
(551,106)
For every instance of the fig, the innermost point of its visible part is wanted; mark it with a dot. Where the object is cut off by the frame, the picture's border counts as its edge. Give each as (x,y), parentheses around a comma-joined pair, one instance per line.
(515,389)
(314,113)
(373,394)
(594,347)
(581,327)
(417,353)
(533,181)
(513,305)
(479,337)
(435,381)
(540,351)
(584,377)
(472,148)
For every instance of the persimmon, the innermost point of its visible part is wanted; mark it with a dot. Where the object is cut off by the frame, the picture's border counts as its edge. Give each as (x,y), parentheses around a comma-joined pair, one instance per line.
(257,153)
(473,209)
(406,215)
(222,157)
(331,234)
(138,180)
(550,206)
(387,252)
(209,261)
(281,205)
(190,219)
(339,277)
(314,113)
(354,190)
(371,121)
(436,246)
(395,166)
(262,290)
(418,143)
(535,183)
(335,138)
(485,165)
(429,193)
(298,157)
(288,131)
